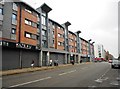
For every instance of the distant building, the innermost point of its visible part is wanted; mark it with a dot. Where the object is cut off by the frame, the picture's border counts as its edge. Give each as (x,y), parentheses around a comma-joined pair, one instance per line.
(99,51)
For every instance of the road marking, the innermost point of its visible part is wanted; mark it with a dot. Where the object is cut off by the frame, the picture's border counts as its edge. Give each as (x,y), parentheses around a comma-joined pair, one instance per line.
(114,83)
(100,80)
(104,74)
(30,82)
(67,72)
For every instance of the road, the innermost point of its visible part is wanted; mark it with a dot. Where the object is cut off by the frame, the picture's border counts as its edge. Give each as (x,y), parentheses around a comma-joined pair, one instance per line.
(78,75)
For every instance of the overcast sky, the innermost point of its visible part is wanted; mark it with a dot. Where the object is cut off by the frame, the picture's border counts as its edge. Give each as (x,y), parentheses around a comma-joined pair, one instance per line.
(97,19)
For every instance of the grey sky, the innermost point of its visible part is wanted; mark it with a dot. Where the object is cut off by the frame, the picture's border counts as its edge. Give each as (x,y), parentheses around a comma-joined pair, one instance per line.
(97,19)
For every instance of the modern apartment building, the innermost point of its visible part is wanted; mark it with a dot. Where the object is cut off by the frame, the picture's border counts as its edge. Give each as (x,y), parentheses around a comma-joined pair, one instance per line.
(84,50)
(20,35)
(28,34)
(99,51)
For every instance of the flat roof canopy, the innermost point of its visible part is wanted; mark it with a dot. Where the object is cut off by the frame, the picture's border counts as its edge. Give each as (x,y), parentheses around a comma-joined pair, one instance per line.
(67,23)
(46,8)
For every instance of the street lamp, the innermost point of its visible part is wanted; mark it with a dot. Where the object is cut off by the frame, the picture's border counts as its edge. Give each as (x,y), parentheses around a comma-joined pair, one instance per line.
(93,56)
(89,49)
(90,40)
(93,43)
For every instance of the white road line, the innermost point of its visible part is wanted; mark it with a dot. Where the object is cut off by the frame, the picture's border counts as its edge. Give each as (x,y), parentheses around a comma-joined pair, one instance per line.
(67,72)
(104,74)
(100,80)
(30,82)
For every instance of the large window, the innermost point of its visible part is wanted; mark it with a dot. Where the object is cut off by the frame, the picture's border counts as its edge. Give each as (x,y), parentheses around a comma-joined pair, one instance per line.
(43,20)
(14,16)
(28,35)
(33,24)
(28,11)
(1,11)
(15,6)
(28,22)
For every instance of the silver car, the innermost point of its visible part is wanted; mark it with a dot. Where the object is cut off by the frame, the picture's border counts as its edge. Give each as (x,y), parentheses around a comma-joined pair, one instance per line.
(115,64)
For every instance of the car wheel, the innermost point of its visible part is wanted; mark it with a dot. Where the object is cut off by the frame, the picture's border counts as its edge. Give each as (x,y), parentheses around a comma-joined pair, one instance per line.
(112,66)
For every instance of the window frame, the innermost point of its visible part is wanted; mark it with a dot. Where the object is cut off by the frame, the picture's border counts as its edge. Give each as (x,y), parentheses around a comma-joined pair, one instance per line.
(1,11)
(13,31)
(14,18)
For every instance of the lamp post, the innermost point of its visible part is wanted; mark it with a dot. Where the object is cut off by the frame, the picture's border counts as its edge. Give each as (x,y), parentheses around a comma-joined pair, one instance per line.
(89,49)
(78,46)
(93,56)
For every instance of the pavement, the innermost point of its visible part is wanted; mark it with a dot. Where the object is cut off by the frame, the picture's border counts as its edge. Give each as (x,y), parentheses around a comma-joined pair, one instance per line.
(25,70)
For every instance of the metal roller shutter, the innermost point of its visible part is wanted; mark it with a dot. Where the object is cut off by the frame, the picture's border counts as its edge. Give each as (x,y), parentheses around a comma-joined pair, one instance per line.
(44,58)
(27,57)
(10,59)
(57,56)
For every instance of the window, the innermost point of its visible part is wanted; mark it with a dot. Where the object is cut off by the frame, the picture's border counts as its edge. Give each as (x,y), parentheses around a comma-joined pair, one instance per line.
(28,22)
(1,11)
(58,27)
(28,11)
(59,43)
(28,35)
(34,36)
(43,32)
(43,20)
(52,32)
(53,41)
(15,6)
(13,31)
(44,44)
(71,40)
(34,24)
(59,35)
(14,16)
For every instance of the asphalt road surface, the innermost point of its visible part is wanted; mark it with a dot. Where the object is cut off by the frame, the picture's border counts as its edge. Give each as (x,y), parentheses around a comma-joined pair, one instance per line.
(78,75)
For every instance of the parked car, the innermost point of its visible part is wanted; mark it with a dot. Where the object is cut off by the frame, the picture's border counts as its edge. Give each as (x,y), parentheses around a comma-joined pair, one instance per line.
(115,64)
(110,60)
